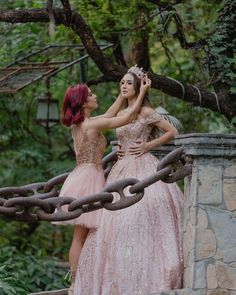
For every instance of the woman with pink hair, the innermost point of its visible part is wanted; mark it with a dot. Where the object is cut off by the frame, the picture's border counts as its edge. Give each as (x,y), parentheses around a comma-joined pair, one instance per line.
(89,144)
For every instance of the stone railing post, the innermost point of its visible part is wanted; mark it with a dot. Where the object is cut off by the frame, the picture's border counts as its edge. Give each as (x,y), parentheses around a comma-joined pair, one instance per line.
(210,214)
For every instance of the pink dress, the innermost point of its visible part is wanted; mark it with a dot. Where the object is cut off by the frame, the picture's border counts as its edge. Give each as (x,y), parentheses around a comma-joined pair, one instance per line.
(137,250)
(87,177)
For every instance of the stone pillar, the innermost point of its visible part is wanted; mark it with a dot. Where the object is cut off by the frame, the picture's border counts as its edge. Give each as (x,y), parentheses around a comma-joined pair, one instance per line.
(210,215)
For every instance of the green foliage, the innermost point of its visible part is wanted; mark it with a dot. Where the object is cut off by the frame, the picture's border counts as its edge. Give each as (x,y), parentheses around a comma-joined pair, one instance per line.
(25,272)
(28,154)
(28,256)
(10,285)
(43,237)
(222,46)
(111,16)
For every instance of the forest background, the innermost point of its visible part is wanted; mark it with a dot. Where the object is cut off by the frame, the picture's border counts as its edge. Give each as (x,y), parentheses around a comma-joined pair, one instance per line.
(192,42)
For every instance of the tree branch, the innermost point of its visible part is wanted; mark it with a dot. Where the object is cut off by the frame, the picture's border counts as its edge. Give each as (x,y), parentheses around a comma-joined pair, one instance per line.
(74,22)
(117,48)
(67,9)
(97,81)
(66,5)
(51,17)
(114,72)
(217,103)
(186,92)
(24,15)
(114,38)
(179,34)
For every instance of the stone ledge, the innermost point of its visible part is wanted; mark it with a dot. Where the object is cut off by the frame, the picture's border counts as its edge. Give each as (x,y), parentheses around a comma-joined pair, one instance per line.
(198,144)
(205,144)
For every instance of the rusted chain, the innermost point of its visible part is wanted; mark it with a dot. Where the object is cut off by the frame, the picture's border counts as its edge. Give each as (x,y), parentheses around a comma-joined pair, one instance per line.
(108,162)
(178,163)
(39,201)
(124,201)
(150,179)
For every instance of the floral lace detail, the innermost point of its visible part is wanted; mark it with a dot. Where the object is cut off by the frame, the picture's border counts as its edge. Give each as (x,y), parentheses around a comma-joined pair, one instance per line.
(153,118)
(139,129)
(91,151)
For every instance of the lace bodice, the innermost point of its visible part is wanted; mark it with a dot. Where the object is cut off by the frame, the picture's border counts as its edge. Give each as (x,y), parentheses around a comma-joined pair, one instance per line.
(89,151)
(139,129)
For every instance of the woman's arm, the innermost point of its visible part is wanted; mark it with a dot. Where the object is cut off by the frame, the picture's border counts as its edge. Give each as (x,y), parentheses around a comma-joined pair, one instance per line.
(142,147)
(101,123)
(113,109)
(170,133)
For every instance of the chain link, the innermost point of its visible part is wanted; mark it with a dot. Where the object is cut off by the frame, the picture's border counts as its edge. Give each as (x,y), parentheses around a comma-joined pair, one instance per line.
(40,201)
(125,201)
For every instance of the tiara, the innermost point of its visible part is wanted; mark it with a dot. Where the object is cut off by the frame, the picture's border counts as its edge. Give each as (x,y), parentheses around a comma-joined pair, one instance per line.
(137,71)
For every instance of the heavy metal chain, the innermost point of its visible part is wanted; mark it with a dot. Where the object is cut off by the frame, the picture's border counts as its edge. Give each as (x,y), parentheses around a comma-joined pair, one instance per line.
(40,201)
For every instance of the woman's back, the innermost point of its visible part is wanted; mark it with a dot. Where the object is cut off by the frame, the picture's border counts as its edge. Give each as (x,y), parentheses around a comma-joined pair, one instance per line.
(87,177)
(89,145)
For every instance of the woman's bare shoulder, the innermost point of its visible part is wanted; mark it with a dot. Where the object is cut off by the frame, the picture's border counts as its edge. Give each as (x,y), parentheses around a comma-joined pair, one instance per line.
(74,126)
(146,111)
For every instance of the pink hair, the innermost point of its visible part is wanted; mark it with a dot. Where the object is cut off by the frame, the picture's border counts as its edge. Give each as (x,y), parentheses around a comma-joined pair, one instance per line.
(75,97)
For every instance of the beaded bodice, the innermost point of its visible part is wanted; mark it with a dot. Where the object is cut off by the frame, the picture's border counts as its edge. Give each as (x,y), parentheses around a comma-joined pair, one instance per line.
(139,129)
(89,151)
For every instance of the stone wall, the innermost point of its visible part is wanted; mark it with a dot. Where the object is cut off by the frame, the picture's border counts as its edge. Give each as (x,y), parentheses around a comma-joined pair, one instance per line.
(209,216)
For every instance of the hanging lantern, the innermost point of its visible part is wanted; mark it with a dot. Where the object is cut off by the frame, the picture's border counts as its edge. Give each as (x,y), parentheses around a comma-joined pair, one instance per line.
(47,111)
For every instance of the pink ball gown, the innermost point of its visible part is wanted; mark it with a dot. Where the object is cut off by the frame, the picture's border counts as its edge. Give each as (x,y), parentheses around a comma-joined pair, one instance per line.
(87,177)
(137,250)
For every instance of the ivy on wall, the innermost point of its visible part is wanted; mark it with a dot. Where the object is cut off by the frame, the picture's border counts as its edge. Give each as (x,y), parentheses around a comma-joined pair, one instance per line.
(222,44)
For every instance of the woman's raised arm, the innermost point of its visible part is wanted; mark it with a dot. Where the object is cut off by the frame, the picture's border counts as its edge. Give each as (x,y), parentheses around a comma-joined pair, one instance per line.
(114,108)
(130,114)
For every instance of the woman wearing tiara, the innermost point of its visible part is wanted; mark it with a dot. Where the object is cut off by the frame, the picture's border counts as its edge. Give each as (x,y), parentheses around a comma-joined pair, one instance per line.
(137,250)
(89,143)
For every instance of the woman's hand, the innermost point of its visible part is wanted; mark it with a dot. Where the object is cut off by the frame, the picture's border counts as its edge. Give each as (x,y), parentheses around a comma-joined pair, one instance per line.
(140,148)
(145,84)
(120,97)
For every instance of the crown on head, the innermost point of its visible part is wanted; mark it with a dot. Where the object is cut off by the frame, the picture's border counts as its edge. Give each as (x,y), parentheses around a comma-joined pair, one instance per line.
(137,71)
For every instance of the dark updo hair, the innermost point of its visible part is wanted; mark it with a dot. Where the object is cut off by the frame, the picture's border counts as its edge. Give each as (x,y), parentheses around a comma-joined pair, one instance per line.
(75,97)
(137,83)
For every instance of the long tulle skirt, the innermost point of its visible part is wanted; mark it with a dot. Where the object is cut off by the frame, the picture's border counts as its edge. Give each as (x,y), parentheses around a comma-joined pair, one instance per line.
(137,250)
